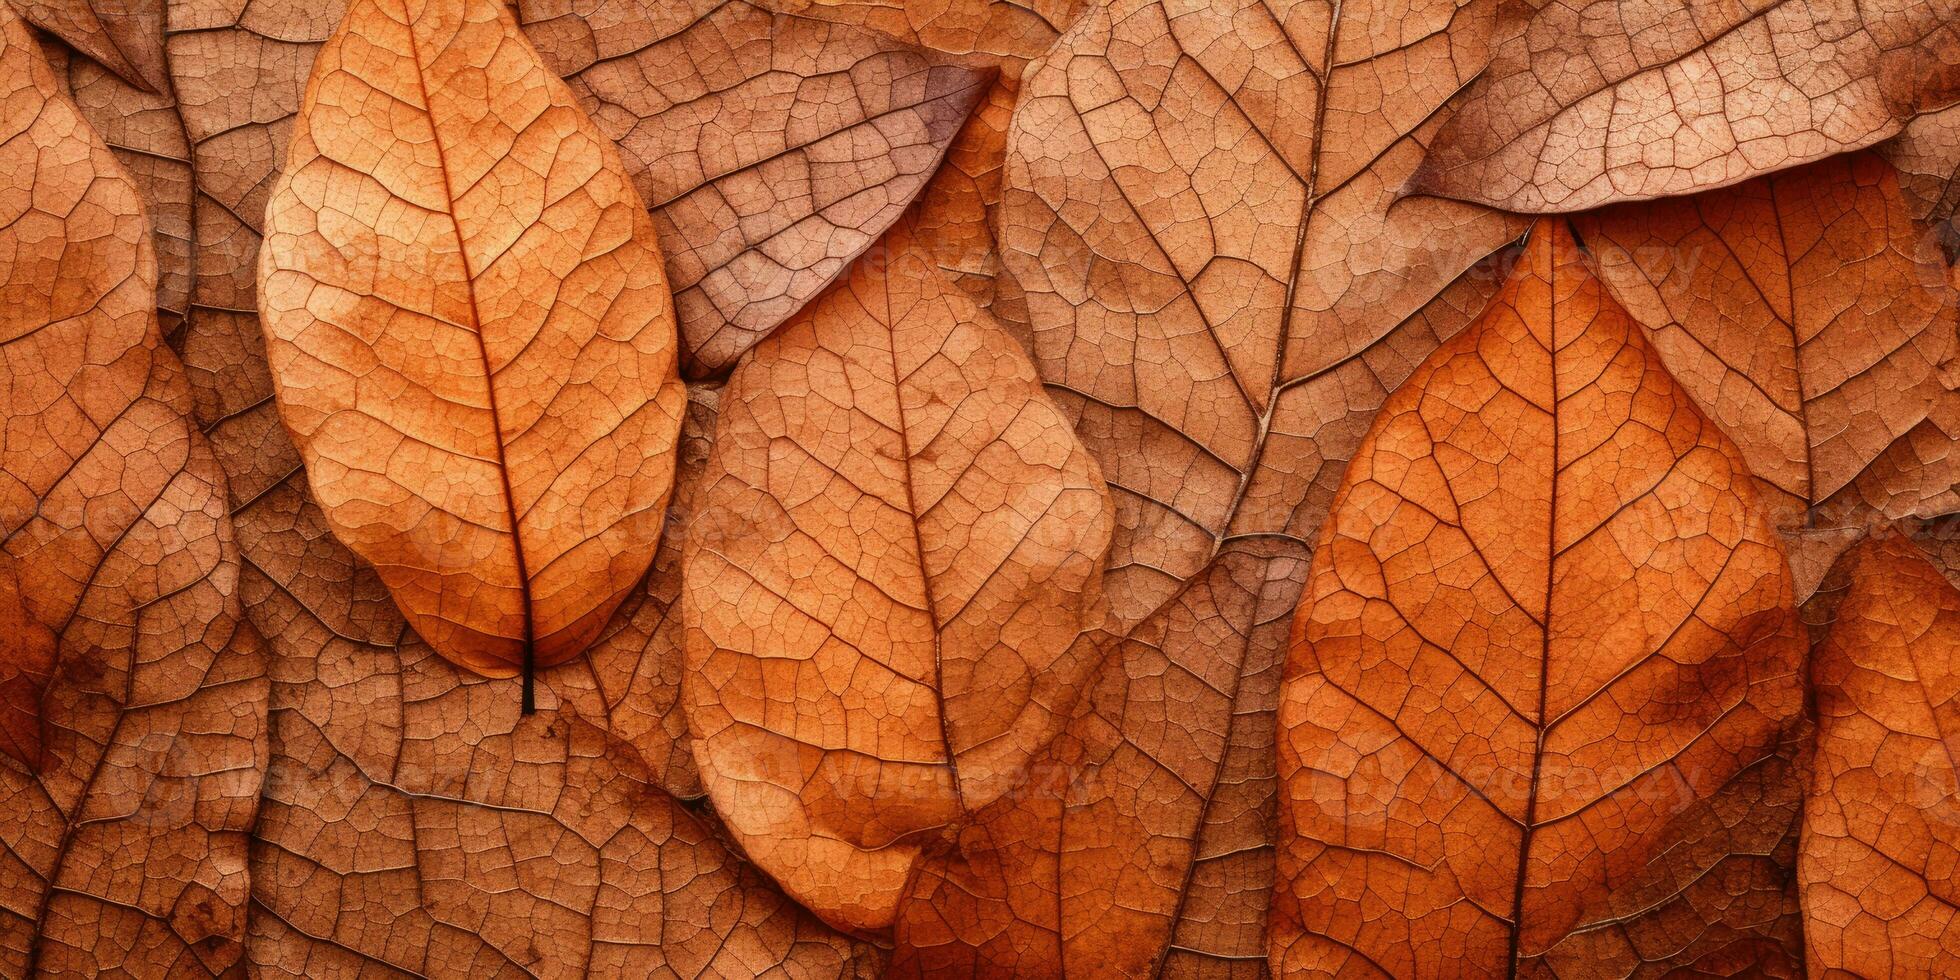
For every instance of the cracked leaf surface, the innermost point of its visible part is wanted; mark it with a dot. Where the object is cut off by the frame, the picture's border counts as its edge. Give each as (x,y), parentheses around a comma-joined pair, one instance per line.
(899,543)
(1542,706)
(772,148)
(470,335)
(1883,804)
(1598,101)
(132,782)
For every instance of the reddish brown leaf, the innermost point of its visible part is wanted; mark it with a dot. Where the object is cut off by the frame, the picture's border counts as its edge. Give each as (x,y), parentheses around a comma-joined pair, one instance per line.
(1223,287)
(123,843)
(899,543)
(469,332)
(1810,317)
(773,149)
(1544,695)
(124,36)
(1883,810)
(1599,101)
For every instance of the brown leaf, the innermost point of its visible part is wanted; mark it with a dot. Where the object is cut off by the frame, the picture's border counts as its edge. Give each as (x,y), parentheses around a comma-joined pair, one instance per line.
(773,149)
(1807,314)
(1224,288)
(1884,797)
(470,336)
(124,36)
(1598,101)
(899,543)
(123,839)
(1544,696)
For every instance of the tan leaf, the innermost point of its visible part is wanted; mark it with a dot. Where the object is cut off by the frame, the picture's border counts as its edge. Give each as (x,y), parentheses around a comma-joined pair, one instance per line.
(124,36)
(899,542)
(1809,316)
(1884,798)
(773,149)
(123,837)
(470,336)
(1599,101)
(1224,288)
(1544,696)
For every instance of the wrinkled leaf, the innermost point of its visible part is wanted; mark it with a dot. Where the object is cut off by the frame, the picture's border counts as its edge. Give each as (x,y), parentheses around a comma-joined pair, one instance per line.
(773,149)
(899,542)
(1809,316)
(1544,696)
(470,335)
(124,36)
(1883,809)
(1223,288)
(125,810)
(1599,101)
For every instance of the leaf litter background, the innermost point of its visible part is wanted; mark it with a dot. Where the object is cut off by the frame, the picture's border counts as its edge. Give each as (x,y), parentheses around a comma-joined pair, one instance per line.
(1027,349)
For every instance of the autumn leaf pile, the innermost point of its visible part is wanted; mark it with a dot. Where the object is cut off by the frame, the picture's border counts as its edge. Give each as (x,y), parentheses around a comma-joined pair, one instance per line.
(823,488)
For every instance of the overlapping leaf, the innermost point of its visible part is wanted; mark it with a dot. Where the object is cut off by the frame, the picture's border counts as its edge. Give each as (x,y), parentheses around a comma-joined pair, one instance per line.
(124,36)
(898,545)
(1542,708)
(773,148)
(470,335)
(135,692)
(1599,101)
(1223,288)
(1810,316)
(1884,801)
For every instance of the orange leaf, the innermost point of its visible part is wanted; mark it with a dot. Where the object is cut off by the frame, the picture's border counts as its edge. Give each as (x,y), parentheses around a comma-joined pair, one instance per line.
(1600,101)
(134,692)
(1544,696)
(1883,809)
(899,544)
(470,335)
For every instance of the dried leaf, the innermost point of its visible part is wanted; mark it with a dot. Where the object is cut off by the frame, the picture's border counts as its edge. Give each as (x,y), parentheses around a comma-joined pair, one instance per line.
(123,840)
(1884,798)
(124,36)
(773,149)
(1598,101)
(1806,313)
(470,336)
(1544,698)
(1224,288)
(899,543)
